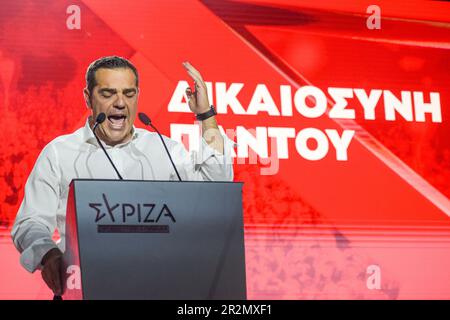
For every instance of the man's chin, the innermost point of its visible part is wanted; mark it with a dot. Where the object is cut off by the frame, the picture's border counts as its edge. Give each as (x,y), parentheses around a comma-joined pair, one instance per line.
(117,138)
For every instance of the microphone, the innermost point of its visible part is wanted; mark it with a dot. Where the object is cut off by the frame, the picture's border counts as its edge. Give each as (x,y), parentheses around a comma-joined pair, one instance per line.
(146,120)
(100,118)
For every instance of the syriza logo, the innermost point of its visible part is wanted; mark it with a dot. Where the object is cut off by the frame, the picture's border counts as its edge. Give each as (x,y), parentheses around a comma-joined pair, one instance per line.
(112,217)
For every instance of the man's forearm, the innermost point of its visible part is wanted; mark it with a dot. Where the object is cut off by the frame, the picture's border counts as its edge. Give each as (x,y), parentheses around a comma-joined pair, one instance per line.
(212,135)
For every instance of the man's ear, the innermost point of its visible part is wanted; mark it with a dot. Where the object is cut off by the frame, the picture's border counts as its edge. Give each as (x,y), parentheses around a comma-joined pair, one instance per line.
(87,97)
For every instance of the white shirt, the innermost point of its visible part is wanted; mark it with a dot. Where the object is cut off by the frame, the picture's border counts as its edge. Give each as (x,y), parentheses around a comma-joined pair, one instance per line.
(78,155)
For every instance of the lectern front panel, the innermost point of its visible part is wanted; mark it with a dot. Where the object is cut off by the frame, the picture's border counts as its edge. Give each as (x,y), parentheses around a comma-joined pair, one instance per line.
(160,239)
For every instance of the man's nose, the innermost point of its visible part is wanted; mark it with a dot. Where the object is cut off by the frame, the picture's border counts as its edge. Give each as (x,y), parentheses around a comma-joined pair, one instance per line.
(120,102)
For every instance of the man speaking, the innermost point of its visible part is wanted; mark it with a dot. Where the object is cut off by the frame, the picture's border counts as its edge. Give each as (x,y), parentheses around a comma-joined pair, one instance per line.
(112,88)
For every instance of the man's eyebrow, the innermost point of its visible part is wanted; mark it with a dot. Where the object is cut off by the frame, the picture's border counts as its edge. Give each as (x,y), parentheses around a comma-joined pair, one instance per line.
(109,90)
(129,90)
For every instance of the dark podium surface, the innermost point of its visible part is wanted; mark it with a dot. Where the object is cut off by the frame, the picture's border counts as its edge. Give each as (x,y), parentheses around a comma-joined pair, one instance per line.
(154,240)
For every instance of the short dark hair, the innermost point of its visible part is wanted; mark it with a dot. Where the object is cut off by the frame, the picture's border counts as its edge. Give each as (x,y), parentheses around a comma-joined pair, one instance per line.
(111,62)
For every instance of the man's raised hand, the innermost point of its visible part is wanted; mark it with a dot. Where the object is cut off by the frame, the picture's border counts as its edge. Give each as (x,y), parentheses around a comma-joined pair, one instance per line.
(198,99)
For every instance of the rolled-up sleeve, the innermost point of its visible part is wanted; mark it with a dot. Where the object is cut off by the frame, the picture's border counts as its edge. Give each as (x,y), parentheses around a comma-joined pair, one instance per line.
(206,163)
(36,219)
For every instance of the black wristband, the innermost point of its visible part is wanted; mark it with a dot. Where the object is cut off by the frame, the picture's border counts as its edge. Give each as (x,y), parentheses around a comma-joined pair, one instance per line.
(208,114)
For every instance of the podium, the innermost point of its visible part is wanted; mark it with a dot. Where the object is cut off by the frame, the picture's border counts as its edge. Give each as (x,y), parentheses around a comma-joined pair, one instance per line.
(129,239)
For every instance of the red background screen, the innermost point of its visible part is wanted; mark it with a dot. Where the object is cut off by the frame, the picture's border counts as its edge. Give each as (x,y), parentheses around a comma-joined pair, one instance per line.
(375,225)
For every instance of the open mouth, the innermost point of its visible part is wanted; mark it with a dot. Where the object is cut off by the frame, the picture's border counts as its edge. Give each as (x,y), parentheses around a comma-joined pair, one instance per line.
(117,121)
